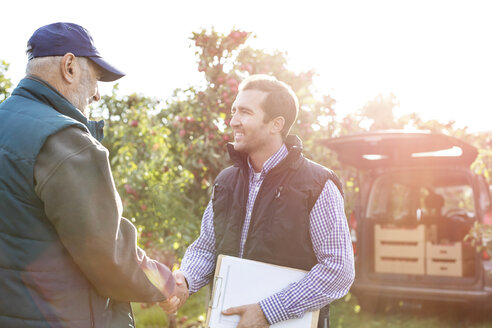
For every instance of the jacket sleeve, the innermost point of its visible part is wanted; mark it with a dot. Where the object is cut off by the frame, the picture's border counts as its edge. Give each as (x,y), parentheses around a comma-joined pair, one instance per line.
(74,180)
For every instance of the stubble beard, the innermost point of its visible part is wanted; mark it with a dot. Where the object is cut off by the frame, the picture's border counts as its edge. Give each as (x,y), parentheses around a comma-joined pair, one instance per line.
(79,98)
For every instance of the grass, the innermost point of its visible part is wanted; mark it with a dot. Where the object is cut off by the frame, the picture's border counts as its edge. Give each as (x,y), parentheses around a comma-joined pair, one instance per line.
(344,313)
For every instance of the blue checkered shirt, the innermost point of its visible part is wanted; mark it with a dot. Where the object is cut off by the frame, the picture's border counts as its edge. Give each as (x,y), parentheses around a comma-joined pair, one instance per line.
(328,280)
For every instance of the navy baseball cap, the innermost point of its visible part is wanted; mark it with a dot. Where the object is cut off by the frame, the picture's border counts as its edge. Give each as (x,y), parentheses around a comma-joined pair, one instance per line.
(57,39)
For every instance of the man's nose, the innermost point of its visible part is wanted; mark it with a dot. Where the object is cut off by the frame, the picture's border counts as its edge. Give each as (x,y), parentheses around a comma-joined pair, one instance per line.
(234,121)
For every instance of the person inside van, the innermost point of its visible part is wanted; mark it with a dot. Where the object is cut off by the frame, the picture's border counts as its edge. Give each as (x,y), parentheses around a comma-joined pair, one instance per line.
(450,227)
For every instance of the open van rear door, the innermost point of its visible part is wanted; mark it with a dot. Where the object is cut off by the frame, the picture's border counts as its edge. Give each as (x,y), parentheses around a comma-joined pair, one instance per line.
(397,148)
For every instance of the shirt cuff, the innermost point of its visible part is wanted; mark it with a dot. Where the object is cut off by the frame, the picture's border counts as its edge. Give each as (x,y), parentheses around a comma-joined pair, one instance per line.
(190,281)
(273,309)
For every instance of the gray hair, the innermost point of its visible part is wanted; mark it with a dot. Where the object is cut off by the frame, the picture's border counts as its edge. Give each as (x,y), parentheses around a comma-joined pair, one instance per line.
(42,64)
(46,65)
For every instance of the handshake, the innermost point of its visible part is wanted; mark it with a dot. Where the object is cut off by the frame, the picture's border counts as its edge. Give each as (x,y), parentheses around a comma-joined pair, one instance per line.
(251,314)
(178,297)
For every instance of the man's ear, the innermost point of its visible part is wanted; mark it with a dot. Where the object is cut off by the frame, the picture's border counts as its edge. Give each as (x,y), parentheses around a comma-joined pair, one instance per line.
(68,67)
(277,124)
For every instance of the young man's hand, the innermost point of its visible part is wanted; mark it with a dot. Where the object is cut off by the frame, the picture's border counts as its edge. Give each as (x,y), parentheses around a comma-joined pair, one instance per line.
(251,316)
(179,296)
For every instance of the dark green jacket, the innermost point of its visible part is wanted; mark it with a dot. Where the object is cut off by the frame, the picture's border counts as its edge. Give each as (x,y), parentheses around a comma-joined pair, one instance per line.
(40,285)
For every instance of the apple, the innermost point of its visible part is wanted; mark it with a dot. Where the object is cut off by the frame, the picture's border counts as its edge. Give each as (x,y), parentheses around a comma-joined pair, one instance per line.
(232,81)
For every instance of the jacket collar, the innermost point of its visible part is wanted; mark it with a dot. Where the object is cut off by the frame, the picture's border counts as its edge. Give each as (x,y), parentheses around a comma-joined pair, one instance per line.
(35,88)
(293,144)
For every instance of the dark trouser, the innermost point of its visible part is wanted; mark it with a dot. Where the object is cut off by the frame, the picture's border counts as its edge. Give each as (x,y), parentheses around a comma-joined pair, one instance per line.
(324,317)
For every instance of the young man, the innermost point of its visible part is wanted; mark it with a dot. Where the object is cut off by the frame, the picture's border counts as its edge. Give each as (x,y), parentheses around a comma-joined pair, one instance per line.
(68,258)
(274,205)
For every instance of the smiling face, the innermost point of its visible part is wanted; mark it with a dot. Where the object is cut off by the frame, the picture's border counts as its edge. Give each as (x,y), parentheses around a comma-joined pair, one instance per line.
(251,133)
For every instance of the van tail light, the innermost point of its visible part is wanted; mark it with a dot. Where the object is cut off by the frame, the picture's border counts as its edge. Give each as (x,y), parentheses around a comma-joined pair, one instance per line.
(485,255)
(353,231)
(353,221)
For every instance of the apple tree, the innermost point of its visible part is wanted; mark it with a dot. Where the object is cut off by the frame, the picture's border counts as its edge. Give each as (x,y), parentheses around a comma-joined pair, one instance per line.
(5,82)
(199,117)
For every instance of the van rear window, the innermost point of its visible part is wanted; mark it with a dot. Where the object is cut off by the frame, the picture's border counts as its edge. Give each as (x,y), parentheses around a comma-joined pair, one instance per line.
(413,196)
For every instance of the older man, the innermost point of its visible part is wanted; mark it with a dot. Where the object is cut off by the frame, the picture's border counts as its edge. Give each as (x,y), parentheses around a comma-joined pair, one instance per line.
(67,257)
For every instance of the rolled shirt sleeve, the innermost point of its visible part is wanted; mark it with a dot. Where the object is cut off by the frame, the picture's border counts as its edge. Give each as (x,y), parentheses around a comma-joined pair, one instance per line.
(74,180)
(198,263)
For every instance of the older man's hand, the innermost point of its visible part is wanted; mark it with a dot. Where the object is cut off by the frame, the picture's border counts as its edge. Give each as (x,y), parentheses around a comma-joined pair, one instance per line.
(251,316)
(179,296)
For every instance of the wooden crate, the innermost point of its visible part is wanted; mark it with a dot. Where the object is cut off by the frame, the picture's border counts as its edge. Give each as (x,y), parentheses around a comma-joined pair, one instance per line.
(444,267)
(405,249)
(400,265)
(452,251)
(449,259)
(399,250)
(399,234)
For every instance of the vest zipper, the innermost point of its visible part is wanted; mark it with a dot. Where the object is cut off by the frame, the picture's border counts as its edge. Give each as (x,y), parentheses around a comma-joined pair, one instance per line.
(278,192)
(243,214)
(212,197)
(252,212)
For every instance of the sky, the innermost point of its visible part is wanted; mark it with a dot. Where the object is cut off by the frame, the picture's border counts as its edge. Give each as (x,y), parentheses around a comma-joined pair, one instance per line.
(434,56)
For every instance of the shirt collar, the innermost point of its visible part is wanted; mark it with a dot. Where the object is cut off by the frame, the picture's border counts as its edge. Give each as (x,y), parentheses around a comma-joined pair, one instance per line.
(270,163)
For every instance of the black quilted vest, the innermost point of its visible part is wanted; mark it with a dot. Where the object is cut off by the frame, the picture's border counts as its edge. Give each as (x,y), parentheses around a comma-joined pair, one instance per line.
(279,227)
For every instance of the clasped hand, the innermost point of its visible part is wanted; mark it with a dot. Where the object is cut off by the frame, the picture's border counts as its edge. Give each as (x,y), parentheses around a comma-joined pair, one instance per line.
(178,297)
(251,316)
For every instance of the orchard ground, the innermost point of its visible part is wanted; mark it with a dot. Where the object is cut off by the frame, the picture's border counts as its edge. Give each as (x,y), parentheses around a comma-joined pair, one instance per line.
(344,313)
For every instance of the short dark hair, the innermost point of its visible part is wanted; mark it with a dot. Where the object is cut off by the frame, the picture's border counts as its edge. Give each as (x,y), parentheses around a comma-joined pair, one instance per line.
(280,101)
